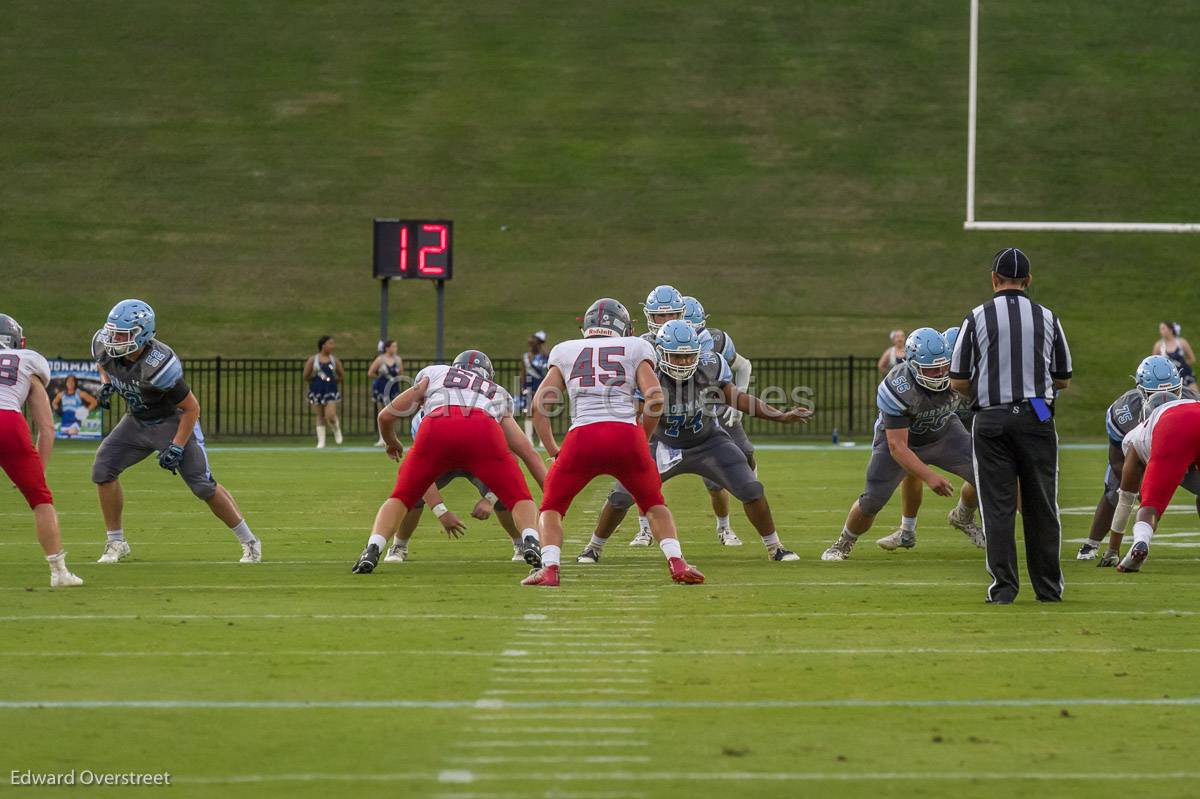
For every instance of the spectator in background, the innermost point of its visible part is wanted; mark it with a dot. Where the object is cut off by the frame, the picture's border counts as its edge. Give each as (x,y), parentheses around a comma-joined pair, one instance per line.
(1176,347)
(893,354)
(536,363)
(324,374)
(73,405)
(385,371)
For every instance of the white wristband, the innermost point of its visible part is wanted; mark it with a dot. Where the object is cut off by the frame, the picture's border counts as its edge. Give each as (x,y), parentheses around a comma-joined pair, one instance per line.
(490,497)
(440,510)
(1125,502)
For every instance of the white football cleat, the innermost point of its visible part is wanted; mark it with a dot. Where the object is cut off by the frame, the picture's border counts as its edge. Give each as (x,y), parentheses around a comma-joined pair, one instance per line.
(397,553)
(898,539)
(518,554)
(840,549)
(966,523)
(727,538)
(252,552)
(1089,550)
(114,551)
(642,539)
(64,579)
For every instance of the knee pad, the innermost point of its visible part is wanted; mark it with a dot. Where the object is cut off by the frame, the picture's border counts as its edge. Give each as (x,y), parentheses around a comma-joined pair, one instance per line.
(870,505)
(103,474)
(203,489)
(1110,496)
(750,492)
(620,500)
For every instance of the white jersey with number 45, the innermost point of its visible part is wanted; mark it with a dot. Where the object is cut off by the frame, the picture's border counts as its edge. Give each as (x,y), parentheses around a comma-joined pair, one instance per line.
(450,385)
(17,368)
(601,377)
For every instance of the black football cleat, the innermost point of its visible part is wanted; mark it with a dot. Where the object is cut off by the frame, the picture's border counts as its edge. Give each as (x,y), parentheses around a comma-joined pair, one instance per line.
(531,550)
(367,561)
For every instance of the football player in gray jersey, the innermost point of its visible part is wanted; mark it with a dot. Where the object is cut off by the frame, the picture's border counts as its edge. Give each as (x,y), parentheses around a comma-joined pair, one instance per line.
(917,427)
(691,440)
(1154,375)
(162,415)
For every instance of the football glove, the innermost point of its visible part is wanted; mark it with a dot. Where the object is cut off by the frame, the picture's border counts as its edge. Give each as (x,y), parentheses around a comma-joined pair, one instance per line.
(104,399)
(171,457)
(732,416)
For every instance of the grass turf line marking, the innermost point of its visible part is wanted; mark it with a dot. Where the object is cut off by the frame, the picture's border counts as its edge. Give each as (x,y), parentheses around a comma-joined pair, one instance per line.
(501,704)
(583,680)
(549,744)
(553,730)
(489,759)
(573,671)
(596,603)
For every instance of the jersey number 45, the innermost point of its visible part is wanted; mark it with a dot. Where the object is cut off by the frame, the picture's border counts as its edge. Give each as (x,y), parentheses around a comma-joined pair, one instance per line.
(599,362)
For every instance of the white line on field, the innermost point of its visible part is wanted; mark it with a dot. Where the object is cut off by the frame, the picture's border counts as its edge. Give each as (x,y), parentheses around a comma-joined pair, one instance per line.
(501,704)
(553,730)
(500,715)
(579,680)
(539,690)
(490,759)
(570,670)
(549,744)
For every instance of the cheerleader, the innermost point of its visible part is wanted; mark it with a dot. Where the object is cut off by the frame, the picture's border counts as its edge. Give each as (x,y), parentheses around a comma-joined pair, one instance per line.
(324,374)
(385,371)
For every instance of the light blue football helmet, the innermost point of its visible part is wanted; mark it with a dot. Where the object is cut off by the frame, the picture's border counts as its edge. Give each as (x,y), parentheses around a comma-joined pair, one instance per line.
(928,357)
(693,314)
(662,300)
(129,327)
(1157,374)
(678,340)
(951,336)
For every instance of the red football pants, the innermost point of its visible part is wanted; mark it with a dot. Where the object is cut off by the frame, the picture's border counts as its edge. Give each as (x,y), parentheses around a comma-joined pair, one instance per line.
(1174,448)
(21,461)
(460,438)
(614,448)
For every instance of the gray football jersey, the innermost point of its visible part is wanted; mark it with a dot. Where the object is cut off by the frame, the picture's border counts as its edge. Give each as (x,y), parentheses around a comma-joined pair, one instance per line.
(692,404)
(903,402)
(1123,415)
(152,386)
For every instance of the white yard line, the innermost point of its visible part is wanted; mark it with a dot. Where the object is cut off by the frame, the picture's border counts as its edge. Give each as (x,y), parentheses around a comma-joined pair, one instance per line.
(499,704)
(549,744)
(553,731)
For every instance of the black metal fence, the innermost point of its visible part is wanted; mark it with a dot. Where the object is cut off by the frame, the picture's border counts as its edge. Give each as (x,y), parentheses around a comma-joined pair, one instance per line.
(261,397)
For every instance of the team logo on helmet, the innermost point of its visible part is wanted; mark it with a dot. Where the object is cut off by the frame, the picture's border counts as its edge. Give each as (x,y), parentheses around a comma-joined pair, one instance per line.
(693,313)
(475,361)
(12,336)
(129,327)
(928,356)
(662,305)
(678,348)
(606,317)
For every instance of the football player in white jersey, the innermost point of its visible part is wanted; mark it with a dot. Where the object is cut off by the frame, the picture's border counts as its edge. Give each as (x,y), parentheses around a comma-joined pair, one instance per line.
(24,375)
(603,374)
(468,424)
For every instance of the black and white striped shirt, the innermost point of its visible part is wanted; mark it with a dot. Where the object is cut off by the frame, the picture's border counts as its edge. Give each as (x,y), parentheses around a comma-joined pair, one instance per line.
(1011,349)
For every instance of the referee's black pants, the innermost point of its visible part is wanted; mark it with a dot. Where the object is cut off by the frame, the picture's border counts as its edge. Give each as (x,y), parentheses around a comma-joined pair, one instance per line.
(1011,444)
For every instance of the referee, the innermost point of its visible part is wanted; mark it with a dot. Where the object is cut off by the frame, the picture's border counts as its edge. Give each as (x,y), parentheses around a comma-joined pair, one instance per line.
(1012,359)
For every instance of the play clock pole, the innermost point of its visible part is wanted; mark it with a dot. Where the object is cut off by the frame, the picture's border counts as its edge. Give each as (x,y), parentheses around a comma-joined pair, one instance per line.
(414,249)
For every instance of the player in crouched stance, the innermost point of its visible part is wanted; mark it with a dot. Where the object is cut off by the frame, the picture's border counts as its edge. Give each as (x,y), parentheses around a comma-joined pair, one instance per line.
(467,424)
(601,374)
(1159,453)
(162,415)
(690,438)
(917,425)
(24,375)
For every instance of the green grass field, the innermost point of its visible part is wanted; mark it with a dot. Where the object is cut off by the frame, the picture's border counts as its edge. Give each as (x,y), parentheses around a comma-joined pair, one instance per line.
(798,165)
(886,675)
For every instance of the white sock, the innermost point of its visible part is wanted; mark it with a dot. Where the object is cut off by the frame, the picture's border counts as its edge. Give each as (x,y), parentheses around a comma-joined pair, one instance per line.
(320,435)
(846,532)
(529,531)
(722,522)
(670,547)
(377,540)
(242,531)
(551,555)
(908,524)
(58,562)
(401,542)
(597,543)
(116,535)
(643,523)
(1142,531)
(771,541)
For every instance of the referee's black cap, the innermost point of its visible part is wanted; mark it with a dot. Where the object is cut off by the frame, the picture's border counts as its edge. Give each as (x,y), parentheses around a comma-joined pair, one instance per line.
(1011,263)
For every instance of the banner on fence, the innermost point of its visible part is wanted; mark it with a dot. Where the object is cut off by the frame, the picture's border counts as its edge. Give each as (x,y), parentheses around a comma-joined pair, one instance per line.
(74,386)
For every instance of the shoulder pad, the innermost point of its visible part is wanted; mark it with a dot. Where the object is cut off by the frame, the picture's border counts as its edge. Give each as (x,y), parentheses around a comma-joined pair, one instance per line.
(161,366)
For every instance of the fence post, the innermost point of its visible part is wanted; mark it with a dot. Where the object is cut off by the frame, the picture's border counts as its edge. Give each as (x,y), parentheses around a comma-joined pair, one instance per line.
(850,393)
(217,404)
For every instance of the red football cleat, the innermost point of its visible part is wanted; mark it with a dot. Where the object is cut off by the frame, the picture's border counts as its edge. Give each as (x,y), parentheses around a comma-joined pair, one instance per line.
(681,572)
(547,576)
